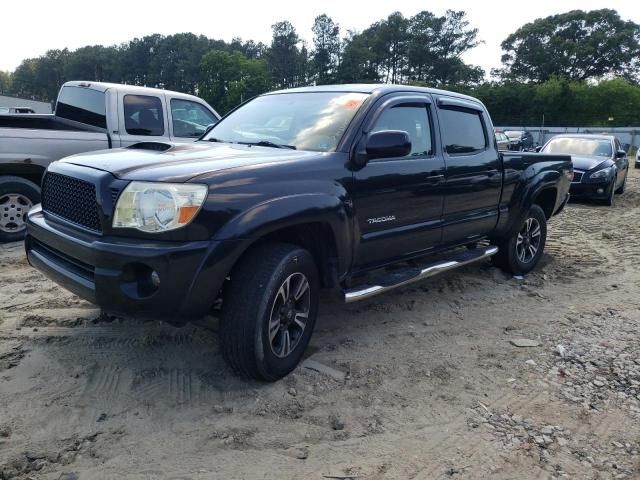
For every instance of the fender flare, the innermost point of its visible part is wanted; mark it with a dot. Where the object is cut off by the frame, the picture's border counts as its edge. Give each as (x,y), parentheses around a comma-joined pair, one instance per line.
(531,187)
(288,211)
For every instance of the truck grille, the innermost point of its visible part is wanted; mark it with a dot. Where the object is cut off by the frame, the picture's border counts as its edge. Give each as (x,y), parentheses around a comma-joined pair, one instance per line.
(71,199)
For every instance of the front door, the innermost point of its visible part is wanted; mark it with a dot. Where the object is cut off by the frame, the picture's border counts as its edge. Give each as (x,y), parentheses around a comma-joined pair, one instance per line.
(398,201)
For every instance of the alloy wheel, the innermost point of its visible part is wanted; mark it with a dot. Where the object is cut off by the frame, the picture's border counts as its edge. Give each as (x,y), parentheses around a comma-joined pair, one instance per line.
(528,241)
(289,314)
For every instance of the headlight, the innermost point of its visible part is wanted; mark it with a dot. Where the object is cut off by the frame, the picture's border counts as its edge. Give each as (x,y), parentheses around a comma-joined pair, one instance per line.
(158,207)
(604,173)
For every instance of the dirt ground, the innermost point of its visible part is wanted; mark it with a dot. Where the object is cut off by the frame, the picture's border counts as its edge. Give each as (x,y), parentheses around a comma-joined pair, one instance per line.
(432,388)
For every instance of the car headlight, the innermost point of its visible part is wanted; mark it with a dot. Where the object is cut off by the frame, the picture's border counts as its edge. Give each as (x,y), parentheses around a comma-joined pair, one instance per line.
(604,173)
(158,207)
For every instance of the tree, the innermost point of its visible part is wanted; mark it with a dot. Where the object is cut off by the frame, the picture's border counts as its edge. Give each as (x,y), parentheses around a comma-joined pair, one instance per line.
(359,63)
(229,79)
(436,45)
(249,49)
(562,102)
(5,83)
(391,46)
(576,45)
(95,63)
(284,56)
(424,50)
(326,49)
(48,74)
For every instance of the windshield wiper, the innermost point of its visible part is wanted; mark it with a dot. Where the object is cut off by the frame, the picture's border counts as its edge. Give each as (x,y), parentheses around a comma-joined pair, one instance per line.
(268,143)
(215,140)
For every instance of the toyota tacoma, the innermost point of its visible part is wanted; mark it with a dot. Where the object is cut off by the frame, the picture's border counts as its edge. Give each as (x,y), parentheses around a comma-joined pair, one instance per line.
(355,188)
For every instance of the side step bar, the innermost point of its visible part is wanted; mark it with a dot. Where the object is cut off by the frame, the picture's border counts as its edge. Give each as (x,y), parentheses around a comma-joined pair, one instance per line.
(410,275)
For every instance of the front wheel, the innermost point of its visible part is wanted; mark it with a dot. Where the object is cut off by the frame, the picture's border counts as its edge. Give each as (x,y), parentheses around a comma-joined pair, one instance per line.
(17,196)
(269,311)
(521,252)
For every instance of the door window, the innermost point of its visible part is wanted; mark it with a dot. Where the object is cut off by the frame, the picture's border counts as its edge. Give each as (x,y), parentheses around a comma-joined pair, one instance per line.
(143,115)
(462,131)
(413,119)
(190,119)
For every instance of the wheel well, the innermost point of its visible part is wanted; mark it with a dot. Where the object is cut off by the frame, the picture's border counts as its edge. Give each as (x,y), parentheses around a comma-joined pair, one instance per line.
(30,172)
(546,200)
(318,239)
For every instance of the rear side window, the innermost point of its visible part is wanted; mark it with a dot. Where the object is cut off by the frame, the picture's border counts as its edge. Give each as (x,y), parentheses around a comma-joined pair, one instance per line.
(143,115)
(462,131)
(84,105)
(412,118)
(190,119)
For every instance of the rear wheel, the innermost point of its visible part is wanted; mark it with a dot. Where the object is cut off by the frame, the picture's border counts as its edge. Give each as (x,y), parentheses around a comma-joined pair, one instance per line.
(269,311)
(521,252)
(17,196)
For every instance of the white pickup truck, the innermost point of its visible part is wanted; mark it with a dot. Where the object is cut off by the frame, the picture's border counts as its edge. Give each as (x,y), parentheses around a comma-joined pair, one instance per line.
(88,116)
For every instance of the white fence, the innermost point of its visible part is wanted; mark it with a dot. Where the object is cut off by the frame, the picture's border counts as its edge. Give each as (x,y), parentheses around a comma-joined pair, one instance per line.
(627,135)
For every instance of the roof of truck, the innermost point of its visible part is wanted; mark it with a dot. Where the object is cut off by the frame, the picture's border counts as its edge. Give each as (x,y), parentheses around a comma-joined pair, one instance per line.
(104,86)
(373,88)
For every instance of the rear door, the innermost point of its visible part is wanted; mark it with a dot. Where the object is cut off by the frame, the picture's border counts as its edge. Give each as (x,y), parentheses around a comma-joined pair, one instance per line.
(142,118)
(474,173)
(398,201)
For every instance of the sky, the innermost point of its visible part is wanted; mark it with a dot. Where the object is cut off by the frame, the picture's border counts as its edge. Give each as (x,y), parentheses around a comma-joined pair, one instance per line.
(28,28)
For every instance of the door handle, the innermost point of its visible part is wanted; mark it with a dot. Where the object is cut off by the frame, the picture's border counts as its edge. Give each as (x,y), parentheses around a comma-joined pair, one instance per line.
(434,179)
(491,173)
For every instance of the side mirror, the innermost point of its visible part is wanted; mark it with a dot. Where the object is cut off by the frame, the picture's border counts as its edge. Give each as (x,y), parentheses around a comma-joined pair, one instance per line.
(206,130)
(388,144)
(621,154)
(538,148)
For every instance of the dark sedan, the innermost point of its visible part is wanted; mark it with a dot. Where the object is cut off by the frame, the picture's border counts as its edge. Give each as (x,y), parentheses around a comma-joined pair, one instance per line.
(600,164)
(519,140)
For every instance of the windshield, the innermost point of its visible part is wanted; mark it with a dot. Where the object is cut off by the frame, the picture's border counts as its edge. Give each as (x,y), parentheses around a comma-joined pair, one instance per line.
(514,134)
(305,121)
(580,146)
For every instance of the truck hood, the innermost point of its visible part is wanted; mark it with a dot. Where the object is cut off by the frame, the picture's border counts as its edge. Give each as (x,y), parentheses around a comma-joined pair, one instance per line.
(182,162)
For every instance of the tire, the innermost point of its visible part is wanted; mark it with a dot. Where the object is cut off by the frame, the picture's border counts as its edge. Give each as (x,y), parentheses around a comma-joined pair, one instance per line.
(17,196)
(254,304)
(620,190)
(509,256)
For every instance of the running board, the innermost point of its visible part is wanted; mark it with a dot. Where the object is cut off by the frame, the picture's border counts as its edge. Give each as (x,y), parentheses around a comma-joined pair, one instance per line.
(410,275)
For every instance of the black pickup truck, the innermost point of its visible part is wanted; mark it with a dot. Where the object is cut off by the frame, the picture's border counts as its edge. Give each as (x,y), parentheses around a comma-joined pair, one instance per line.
(357,188)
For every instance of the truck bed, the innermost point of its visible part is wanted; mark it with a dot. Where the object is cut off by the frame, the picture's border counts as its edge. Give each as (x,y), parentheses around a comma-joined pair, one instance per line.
(35,122)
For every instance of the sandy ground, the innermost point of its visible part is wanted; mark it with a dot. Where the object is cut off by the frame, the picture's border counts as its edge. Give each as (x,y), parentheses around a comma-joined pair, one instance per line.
(433,386)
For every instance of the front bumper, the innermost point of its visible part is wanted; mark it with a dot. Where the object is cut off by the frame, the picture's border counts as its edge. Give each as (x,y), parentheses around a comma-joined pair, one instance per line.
(116,273)
(598,191)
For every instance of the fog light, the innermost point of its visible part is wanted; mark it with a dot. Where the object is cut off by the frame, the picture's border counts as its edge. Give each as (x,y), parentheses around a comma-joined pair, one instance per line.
(155,279)
(600,191)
